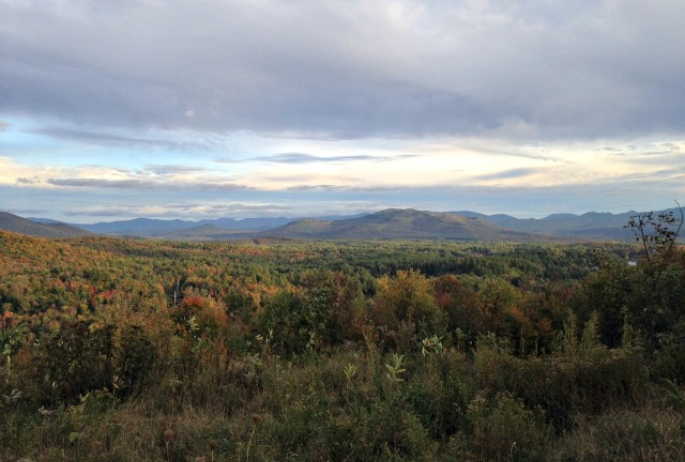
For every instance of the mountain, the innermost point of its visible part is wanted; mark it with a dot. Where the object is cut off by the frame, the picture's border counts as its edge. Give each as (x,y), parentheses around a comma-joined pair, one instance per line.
(388,224)
(591,225)
(206,232)
(567,223)
(151,227)
(500,219)
(248,224)
(172,229)
(138,226)
(44,221)
(51,229)
(463,225)
(399,224)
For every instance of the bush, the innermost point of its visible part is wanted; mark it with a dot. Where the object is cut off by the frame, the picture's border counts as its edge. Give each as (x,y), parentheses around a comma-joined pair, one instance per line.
(504,429)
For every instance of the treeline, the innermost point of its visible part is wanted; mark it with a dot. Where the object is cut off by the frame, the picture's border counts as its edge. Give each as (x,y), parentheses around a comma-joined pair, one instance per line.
(274,350)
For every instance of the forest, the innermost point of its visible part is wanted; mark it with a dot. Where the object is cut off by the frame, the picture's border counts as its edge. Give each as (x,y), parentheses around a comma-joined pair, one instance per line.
(291,350)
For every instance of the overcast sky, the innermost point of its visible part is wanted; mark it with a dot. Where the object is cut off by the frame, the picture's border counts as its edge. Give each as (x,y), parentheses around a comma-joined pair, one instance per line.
(212,108)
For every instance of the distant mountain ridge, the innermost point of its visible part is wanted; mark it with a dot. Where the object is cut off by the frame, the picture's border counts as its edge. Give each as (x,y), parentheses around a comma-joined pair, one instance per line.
(50,229)
(152,227)
(588,225)
(399,224)
(386,224)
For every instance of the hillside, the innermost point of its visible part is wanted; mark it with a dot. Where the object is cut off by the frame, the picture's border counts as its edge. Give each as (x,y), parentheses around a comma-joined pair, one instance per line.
(138,227)
(570,224)
(388,224)
(15,224)
(591,225)
(192,230)
(399,224)
(207,232)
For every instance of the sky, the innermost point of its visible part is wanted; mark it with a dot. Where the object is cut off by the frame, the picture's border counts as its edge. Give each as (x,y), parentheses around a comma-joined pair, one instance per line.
(246,108)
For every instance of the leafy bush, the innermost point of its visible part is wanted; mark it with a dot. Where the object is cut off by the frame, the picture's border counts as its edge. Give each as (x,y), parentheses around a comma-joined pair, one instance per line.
(503,429)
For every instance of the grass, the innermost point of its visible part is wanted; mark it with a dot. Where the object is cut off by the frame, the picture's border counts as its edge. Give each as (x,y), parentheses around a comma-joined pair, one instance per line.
(308,408)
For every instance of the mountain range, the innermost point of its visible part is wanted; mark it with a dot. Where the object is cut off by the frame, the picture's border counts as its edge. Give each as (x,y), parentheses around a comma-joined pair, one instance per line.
(591,225)
(399,224)
(150,227)
(43,228)
(386,224)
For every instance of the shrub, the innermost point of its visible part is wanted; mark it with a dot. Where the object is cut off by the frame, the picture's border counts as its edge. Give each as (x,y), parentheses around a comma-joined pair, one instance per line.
(504,429)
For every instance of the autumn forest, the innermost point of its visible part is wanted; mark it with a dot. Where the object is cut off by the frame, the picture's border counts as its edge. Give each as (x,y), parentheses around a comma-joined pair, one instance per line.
(292,350)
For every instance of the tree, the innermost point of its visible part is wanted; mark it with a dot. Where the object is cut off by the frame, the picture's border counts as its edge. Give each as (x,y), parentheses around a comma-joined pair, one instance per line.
(657,233)
(656,277)
(405,308)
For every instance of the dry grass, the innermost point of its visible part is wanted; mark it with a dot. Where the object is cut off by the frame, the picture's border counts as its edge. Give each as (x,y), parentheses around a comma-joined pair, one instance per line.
(647,434)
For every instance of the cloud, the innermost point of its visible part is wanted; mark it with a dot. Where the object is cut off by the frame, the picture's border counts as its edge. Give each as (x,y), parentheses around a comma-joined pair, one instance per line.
(522,155)
(172,177)
(3,126)
(634,154)
(357,69)
(524,198)
(117,140)
(655,175)
(646,157)
(302,158)
(173,169)
(508,174)
(100,183)
(316,187)
(24,212)
(140,184)
(190,209)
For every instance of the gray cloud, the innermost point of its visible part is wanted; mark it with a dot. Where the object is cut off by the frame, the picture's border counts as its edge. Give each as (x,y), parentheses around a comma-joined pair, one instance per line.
(634,154)
(175,210)
(3,126)
(117,140)
(391,68)
(616,194)
(97,138)
(140,184)
(650,156)
(655,175)
(100,183)
(318,187)
(517,154)
(302,158)
(172,169)
(23,212)
(513,173)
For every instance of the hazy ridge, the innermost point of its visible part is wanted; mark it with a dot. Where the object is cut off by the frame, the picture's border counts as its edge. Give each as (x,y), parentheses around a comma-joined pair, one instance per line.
(386,224)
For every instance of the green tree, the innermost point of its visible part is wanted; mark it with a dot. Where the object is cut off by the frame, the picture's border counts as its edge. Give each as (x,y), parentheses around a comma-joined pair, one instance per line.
(659,279)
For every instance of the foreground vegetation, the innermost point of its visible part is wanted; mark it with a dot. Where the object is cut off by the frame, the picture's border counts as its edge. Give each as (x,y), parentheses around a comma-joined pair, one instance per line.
(118,350)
